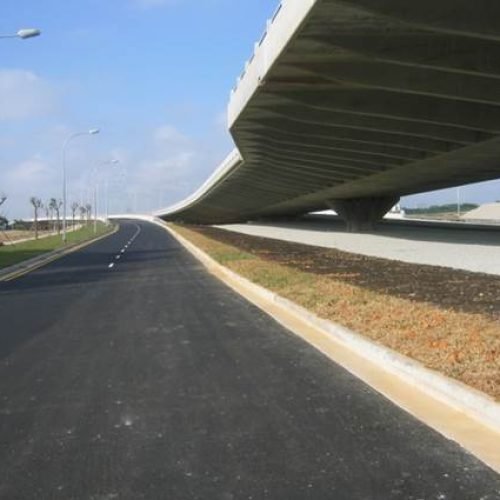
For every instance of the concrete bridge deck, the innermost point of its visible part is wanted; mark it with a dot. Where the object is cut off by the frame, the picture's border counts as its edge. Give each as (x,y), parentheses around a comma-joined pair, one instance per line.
(351,104)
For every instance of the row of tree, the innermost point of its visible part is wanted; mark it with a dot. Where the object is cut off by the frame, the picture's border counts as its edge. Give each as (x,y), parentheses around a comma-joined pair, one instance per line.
(440,209)
(53,212)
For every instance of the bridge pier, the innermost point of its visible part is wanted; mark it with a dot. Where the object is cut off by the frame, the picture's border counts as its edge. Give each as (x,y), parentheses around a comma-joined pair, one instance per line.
(362,214)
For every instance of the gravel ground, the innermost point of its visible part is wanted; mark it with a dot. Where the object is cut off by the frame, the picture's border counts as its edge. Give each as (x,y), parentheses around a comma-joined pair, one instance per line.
(469,250)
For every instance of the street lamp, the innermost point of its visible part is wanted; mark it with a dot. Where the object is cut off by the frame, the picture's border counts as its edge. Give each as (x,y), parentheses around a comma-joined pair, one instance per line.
(96,189)
(112,162)
(92,131)
(96,194)
(23,34)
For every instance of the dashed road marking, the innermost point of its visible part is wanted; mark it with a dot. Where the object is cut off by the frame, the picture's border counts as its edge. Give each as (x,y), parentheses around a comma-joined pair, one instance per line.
(123,250)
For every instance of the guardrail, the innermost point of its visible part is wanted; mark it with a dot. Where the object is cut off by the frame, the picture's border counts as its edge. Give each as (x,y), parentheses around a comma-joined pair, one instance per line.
(280,29)
(269,24)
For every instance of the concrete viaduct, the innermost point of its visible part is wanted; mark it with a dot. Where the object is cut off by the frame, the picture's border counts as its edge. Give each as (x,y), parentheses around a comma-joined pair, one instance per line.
(350,104)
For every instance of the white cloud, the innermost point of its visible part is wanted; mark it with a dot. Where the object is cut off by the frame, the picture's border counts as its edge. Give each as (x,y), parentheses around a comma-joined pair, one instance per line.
(164,175)
(31,177)
(28,173)
(172,158)
(169,135)
(23,94)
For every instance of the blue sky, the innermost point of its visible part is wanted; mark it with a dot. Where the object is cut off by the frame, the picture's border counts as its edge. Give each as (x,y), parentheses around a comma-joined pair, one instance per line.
(154,75)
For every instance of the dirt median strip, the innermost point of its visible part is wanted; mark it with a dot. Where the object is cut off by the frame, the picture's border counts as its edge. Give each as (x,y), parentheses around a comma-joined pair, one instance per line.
(459,344)
(462,291)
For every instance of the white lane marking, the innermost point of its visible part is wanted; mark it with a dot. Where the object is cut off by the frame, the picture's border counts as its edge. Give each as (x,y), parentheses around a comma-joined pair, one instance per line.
(137,233)
(122,251)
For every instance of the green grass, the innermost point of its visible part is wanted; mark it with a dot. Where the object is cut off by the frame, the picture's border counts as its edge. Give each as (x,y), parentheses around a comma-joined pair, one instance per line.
(231,256)
(13,254)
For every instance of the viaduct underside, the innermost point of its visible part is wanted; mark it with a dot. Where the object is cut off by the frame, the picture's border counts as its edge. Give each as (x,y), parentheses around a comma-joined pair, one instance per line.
(364,101)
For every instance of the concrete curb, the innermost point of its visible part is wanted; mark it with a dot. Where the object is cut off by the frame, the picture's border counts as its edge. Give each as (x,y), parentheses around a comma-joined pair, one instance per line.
(473,418)
(26,266)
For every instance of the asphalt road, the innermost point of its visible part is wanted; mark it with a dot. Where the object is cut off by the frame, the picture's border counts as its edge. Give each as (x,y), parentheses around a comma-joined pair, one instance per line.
(152,380)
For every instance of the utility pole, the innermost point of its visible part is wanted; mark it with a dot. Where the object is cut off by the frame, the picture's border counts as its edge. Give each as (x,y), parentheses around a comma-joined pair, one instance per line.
(95,207)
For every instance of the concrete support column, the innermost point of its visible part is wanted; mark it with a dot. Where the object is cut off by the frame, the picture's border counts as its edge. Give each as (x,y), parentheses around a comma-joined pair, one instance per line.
(361,214)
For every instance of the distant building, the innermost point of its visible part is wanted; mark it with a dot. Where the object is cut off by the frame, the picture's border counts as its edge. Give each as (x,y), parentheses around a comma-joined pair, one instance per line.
(396,212)
(487,214)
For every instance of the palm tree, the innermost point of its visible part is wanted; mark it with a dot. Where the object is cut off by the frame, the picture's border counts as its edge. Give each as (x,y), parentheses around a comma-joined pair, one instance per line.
(50,209)
(74,208)
(55,205)
(88,208)
(3,219)
(58,213)
(47,215)
(83,211)
(37,204)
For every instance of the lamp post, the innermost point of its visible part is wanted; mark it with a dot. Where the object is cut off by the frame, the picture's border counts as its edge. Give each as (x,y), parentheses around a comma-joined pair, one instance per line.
(93,131)
(23,34)
(96,187)
(96,190)
(110,162)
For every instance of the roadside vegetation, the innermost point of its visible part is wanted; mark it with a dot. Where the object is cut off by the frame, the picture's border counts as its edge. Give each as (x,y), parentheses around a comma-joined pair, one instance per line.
(44,234)
(449,212)
(13,254)
(52,223)
(441,209)
(446,319)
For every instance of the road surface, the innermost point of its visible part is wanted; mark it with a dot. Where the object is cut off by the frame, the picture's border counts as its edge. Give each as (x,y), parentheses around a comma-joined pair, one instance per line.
(143,377)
